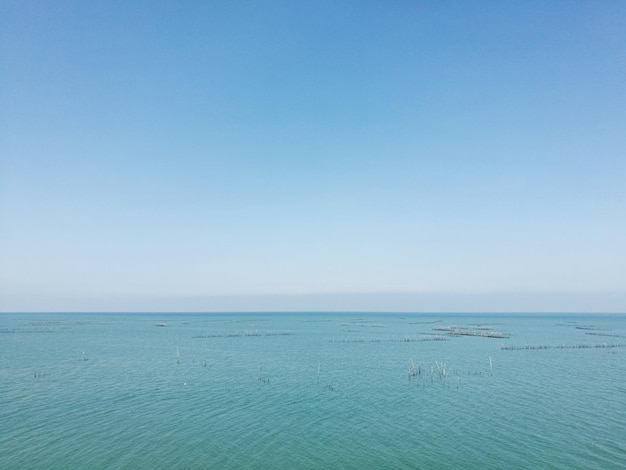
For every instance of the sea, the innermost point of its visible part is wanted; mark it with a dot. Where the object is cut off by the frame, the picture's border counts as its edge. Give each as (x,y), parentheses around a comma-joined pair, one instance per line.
(312,391)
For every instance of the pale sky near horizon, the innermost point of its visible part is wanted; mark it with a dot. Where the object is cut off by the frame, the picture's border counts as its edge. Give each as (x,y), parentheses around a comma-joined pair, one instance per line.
(324,155)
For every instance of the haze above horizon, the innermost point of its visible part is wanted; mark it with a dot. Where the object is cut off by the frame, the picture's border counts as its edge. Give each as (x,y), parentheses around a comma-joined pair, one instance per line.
(290,155)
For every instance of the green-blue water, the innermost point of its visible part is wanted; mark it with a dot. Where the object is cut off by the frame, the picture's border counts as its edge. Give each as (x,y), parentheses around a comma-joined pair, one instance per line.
(312,391)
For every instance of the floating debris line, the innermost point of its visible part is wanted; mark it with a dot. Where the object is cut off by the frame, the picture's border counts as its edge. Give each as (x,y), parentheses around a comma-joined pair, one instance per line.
(22,330)
(406,339)
(482,331)
(561,346)
(238,334)
(604,334)
(47,323)
(433,338)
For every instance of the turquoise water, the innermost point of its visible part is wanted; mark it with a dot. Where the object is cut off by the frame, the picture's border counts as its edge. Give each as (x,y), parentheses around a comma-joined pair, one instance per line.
(312,391)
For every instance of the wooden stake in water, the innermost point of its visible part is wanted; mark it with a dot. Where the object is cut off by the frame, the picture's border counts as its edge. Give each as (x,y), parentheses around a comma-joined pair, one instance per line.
(490,366)
(177,356)
(413,370)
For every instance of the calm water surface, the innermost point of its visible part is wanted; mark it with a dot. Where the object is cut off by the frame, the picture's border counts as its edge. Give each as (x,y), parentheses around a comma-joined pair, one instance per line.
(312,391)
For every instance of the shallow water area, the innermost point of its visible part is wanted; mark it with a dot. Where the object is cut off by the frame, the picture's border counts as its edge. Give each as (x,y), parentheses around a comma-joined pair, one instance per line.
(312,391)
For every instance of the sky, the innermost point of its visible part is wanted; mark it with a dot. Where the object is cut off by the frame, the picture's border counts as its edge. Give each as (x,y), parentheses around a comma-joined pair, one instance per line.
(420,156)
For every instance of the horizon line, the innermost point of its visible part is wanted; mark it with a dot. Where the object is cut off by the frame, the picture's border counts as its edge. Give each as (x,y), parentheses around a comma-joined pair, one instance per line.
(386,312)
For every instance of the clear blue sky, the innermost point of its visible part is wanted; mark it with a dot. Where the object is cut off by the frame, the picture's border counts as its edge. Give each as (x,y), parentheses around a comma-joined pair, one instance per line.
(313,155)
